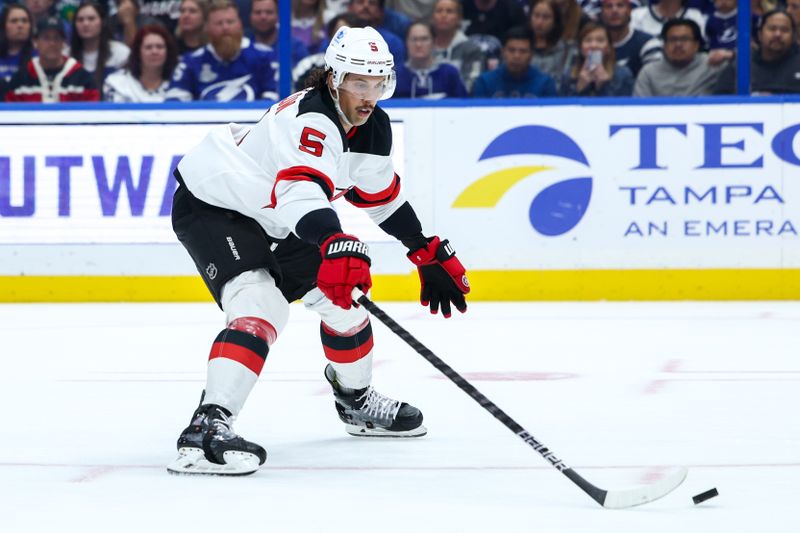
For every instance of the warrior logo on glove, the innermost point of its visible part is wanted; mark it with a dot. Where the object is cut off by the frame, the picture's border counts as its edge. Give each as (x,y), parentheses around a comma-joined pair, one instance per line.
(345,266)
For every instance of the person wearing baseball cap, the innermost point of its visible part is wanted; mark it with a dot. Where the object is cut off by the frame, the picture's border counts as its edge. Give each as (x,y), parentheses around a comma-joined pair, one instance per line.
(52,76)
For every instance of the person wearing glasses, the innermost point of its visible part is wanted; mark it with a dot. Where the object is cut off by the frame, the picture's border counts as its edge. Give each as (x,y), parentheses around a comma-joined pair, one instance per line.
(684,70)
(253,209)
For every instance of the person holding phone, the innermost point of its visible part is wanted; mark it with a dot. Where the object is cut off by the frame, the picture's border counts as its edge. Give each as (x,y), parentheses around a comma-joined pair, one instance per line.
(595,72)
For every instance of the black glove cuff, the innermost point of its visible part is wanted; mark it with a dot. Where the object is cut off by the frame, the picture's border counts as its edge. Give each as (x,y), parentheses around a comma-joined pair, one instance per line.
(318,225)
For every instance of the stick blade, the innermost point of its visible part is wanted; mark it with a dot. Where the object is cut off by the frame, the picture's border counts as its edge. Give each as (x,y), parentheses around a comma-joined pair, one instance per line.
(622,499)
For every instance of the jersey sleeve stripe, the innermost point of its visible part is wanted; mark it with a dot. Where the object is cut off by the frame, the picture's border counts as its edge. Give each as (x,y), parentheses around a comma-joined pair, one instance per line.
(302,173)
(360,198)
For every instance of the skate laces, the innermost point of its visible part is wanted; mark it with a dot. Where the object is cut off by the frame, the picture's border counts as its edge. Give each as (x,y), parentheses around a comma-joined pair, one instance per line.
(377,405)
(223,425)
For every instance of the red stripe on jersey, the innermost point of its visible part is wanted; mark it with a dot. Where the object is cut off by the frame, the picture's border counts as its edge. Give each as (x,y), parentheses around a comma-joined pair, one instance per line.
(349,356)
(375,199)
(87,95)
(237,353)
(300,173)
(28,97)
(75,67)
(352,132)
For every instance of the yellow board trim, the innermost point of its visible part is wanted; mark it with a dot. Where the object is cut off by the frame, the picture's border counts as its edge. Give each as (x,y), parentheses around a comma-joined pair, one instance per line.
(544,285)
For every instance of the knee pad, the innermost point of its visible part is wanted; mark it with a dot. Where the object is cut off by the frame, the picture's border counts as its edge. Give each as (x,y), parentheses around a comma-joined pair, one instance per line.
(252,298)
(341,321)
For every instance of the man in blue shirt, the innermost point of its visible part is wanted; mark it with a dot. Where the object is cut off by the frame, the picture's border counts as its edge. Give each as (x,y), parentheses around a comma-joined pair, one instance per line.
(515,77)
(373,13)
(228,68)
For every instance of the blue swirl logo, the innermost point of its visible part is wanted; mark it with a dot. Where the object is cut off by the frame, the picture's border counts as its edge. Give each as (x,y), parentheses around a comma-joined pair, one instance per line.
(557,208)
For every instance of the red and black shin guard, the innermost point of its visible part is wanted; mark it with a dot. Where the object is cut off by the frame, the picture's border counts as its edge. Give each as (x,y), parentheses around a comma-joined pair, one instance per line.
(246,341)
(347,347)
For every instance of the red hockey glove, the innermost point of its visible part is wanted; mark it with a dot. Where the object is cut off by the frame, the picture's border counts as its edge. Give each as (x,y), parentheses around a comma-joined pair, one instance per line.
(345,266)
(442,276)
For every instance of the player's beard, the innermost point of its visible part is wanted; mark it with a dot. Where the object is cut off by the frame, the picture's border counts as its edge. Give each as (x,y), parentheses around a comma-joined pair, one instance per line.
(227,46)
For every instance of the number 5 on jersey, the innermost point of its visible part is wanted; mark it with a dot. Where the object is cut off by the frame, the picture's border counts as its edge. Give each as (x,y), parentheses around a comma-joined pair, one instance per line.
(308,142)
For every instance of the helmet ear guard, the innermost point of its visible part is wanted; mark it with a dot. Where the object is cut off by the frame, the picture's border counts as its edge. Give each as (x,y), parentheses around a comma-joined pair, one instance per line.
(360,51)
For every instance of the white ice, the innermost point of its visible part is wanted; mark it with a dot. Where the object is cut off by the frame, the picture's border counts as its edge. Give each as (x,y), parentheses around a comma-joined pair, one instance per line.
(94,396)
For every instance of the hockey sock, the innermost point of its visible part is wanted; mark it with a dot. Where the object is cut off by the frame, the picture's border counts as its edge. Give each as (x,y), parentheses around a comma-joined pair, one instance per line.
(236,360)
(350,354)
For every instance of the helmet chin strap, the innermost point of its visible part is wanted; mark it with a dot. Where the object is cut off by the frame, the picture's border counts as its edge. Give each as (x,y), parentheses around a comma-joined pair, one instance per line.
(335,99)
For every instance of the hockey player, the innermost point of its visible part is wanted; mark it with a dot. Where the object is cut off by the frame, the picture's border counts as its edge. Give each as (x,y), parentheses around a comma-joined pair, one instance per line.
(253,210)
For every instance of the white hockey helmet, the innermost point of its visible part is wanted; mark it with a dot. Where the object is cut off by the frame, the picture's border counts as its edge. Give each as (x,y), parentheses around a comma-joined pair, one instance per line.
(360,51)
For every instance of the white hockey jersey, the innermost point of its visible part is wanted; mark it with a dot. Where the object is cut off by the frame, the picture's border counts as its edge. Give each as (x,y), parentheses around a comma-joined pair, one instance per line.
(295,160)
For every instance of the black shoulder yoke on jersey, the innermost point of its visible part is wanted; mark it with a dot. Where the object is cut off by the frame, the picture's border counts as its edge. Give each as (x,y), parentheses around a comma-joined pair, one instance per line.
(374,137)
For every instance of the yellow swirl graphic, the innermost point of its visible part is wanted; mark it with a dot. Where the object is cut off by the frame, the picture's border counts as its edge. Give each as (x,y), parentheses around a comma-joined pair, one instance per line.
(488,190)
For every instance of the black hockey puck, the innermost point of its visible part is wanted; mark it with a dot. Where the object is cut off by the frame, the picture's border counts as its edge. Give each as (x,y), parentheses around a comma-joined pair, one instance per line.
(703,496)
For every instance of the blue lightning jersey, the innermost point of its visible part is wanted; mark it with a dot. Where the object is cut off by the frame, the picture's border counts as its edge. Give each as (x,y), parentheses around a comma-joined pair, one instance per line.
(721,30)
(440,81)
(202,75)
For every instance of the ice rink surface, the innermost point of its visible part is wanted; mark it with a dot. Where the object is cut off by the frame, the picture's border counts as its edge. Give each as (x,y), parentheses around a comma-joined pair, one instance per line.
(94,397)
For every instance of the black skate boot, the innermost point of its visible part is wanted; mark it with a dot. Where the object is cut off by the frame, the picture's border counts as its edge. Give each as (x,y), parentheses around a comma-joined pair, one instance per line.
(209,446)
(368,413)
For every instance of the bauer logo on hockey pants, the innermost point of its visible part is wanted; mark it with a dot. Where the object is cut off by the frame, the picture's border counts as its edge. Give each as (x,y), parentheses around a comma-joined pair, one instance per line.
(557,208)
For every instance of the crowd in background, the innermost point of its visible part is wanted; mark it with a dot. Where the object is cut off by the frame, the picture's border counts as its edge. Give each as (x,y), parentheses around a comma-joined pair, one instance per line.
(225,50)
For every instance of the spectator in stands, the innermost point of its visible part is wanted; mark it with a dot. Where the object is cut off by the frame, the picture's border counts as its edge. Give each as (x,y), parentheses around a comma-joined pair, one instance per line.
(551,54)
(229,67)
(91,42)
(683,71)
(793,8)
(371,13)
(515,77)
(721,31)
(413,9)
(423,76)
(492,17)
(39,9)
(191,31)
(775,67)
(595,72)
(451,45)
(42,9)
(721,27)
(572,17)
(591,8)
(127,20)
(165,12)
(651,18)
(490,46)
(153,58)
(301,72)
(51,77)
(308,24)
(379,17)
(633,48)
(264,24)
(16,40)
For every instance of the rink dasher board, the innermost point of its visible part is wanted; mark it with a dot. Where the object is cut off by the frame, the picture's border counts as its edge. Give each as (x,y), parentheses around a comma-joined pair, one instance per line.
(550,202)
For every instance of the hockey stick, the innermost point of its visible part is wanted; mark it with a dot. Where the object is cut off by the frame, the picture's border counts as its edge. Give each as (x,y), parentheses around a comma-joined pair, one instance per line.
(610,499)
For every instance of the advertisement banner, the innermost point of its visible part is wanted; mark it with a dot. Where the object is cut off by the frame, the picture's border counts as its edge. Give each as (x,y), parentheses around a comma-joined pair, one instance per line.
(625,187)
(107,183)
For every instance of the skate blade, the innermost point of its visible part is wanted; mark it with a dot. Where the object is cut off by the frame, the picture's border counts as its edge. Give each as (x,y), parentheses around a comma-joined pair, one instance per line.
(361,431)
(193,461)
